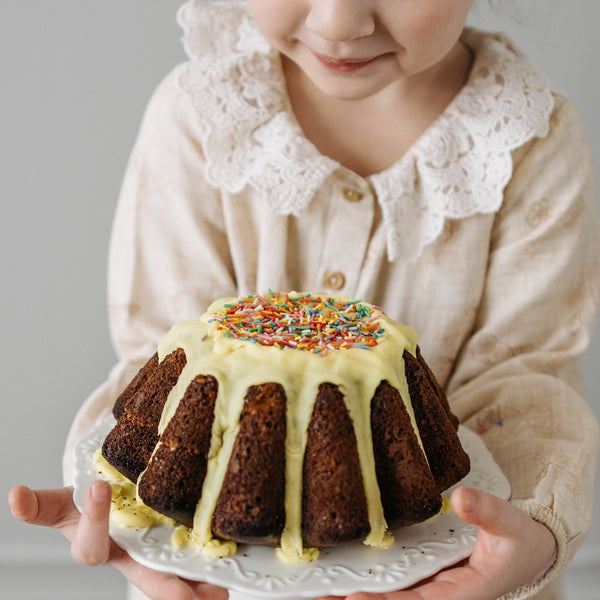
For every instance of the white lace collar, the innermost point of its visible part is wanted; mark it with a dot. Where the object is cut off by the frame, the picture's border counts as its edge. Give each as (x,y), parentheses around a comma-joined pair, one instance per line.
(458,168)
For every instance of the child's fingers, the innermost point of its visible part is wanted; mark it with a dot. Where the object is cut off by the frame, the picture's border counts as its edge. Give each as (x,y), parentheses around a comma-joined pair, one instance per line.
(49,508)
(492,514)
(154,584)
(91,544)
(23,503)
(158,586)
(206,591)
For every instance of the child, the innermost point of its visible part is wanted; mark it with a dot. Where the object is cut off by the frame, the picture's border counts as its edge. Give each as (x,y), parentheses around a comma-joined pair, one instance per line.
(381,150)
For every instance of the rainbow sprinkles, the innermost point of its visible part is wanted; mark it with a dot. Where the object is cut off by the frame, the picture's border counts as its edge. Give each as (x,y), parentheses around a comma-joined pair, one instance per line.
(313,323)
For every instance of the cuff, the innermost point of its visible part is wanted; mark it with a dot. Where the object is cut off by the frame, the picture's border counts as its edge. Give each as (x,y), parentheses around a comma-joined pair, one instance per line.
(562,555)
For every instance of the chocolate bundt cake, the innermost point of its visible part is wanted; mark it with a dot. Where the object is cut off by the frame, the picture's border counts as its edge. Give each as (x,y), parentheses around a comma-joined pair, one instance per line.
(295,420)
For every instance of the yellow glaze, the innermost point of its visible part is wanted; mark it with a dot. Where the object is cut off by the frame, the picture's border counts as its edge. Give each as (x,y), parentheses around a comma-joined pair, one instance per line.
(290,556)
(126,508)
(446,506)
(237,365)
(184,536)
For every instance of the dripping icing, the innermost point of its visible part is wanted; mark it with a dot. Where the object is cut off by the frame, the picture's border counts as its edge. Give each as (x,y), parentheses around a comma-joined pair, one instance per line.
(237,365)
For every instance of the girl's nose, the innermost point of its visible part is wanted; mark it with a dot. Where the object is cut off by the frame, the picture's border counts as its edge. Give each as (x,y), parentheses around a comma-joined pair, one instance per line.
(341,20)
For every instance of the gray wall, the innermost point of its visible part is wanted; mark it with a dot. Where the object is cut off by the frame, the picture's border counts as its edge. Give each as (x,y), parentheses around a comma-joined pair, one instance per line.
(75,77)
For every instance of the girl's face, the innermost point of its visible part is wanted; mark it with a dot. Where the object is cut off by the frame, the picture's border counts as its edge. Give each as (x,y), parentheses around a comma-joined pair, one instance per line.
(352,49)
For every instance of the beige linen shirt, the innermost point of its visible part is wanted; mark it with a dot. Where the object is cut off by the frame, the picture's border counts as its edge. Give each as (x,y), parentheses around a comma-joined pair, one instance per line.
(484,238)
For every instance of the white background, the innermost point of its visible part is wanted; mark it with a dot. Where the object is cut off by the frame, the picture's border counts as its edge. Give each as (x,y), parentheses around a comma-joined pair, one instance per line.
(75,76)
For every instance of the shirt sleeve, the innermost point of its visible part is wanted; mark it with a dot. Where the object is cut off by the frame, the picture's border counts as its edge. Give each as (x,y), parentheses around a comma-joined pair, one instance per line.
(169,254)
(517,380)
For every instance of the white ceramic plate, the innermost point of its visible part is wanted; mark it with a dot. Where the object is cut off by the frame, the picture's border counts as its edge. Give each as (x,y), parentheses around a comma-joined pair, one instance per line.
(255,572)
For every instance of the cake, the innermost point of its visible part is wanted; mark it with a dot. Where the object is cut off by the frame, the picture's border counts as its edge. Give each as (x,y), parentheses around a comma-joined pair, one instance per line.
(294,420)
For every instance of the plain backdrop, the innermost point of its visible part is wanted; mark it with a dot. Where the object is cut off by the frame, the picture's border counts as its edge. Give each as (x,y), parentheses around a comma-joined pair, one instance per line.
(75,76)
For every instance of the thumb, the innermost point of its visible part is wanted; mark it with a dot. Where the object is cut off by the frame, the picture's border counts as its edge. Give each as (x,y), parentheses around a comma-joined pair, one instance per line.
(50,508)
(488,512)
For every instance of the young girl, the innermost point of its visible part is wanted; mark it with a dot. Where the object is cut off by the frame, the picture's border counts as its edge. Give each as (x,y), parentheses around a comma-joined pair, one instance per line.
(379,149)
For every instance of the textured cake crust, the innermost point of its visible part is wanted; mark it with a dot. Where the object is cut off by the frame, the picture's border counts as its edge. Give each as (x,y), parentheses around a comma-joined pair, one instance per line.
(332,512)
(172,483)
(144,375)
(448,462)
(251,504)
(408,491)
(129,445)
(438,391)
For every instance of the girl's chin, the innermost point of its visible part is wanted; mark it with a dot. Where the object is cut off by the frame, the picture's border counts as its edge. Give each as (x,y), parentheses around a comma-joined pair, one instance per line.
(350,87)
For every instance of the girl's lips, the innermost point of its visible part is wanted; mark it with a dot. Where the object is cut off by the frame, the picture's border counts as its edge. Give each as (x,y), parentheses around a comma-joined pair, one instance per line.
(343,65)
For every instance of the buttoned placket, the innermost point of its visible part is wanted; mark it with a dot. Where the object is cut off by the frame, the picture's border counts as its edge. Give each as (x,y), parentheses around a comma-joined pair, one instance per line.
(347,233)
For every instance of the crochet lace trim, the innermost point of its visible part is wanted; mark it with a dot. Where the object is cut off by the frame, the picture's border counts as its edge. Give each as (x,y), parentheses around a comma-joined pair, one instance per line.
(458,168)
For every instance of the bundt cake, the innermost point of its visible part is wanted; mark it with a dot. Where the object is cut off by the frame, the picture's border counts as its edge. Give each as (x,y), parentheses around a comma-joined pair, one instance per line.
(297,420)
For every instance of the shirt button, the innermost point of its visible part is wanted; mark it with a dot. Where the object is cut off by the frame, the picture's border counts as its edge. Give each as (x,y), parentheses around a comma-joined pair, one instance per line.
(334,280)
(351,194)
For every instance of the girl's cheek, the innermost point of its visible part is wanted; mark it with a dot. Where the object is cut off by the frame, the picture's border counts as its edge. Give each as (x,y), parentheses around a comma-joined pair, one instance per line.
(439,20)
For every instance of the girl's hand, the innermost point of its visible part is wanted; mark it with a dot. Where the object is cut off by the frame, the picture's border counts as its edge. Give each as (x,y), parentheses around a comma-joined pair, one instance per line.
(511,550)
(91,544)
